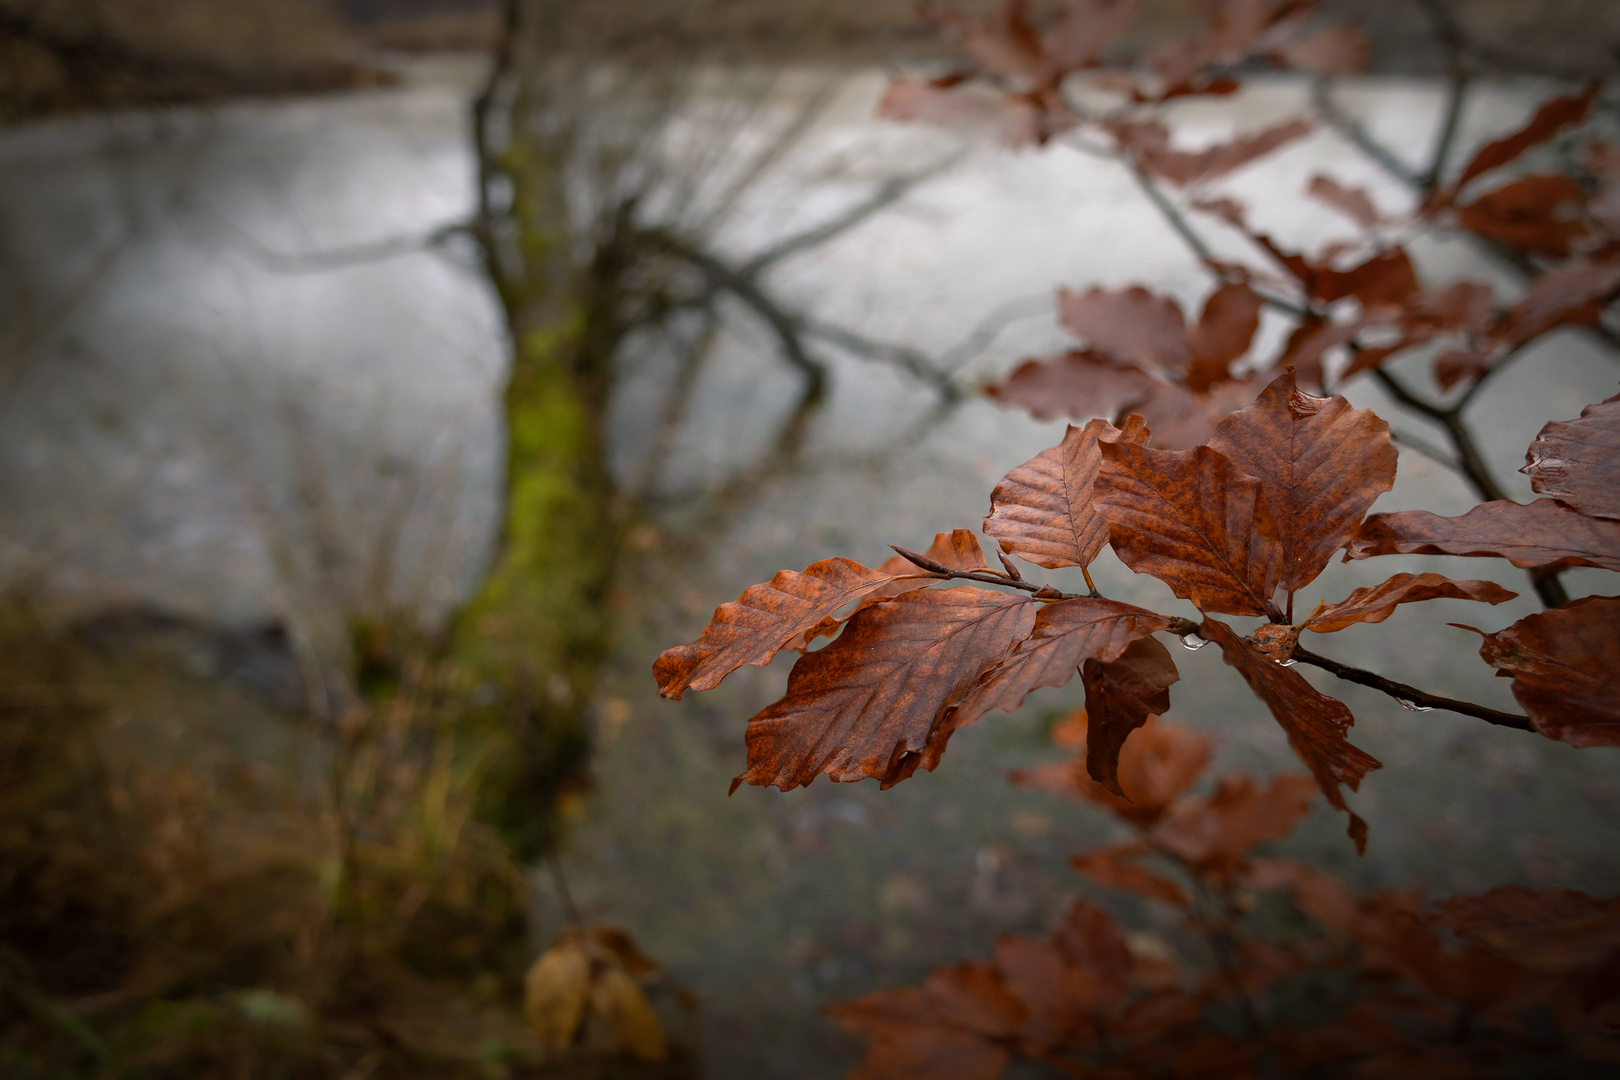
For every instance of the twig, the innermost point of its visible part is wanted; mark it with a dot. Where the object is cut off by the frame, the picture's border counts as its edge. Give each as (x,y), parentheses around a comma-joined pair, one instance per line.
(1411,695)
(989,577)
(1329,110)
(912,361)
(1434,453)
(1451,36)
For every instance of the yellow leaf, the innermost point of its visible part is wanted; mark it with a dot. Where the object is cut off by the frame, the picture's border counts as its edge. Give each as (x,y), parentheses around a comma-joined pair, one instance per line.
(617,999)
(555,992)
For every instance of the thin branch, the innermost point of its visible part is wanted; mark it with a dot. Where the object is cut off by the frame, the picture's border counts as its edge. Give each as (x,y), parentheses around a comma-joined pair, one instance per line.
(1434,453)
(989,577)
(912,361)
(373,251)
(1341,122)
(1411,695)
(1451,36)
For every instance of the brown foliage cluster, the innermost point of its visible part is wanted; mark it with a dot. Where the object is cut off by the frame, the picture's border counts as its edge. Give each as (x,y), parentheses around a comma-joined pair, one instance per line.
(1519,972)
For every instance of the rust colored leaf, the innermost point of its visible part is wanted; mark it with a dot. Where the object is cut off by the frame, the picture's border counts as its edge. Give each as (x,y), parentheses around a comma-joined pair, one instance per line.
(1457,365)
(764,620)
(1513,907)
(1117,869)
(1353,203)
(1132,326)
(1095,943)
(1214,834)
(1463,307)
(1067,633)
(1316,724)
(1549,120)
(1337,50)
(1077,385)
(1195,521)
(1577,461)
(870,704)
(1014,122)
(1085,29)
(1325,899)
(1604,206)
(1543,533)
(1386,278)
(956,550)
(1120,696)
(1225,329)
(1375,603)
(1181,419)
(1538,213)
(1321,463)
(1057,995)
(1566,295)
(950,1027)
(1565,666)
(1149,143)
(1156,766)
(1041,511)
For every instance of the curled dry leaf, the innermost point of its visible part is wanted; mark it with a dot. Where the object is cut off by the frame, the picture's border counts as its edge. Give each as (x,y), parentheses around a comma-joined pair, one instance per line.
(1577,462)
(1549,120)
(1565,295)
(1375,603)
(873,703)
(1160,762)
(1214,834)
(1565,666)
(1316,724)
(1195,521)
(1540,214)
(1078,385)
(1544,533)
(764,620)
(1041,511)
(1225,329)
(1066,634)
(1131,326)
(1321,464)
(1120,696)
(1117,868)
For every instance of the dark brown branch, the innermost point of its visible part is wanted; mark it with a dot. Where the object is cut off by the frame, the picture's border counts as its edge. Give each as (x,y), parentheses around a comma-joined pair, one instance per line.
(989,577)
(1451,36)
(1411,695)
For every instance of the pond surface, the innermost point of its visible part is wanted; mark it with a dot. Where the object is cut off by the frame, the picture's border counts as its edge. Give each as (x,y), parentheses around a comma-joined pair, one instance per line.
(201,416)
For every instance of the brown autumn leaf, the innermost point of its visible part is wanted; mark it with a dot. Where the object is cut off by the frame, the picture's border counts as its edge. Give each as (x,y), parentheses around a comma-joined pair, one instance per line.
(1456,365)
(1564,295)
(1057,995)
(1565,666)
(1131,326)
(1086,28)
(1066,634)
(1604,206)
(1375,603)
(870,703)
(1156,766)
(1181,418)
(1577,461)
(626,1013)
(1094,942)
(1540,214)
(1337,50)
(1316,724)
(1120,696)
(1321,463)
(1553,116)
(1013,122)
(1214,834)
(1327,900)
(556,991)
(764,620)
(1078,385)
(1195,521)
(954,1026)
(1513,907)
(1397,936)
(1117,868)
(1225,329)
(1041,511)
(1003,43)
(1353,203)
(1149,144)
(1544,533)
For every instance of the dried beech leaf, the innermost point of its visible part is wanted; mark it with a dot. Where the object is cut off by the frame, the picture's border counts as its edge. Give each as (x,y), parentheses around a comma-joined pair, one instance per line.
(1041,511)
(1316,724)
(765,619)
(1004,43)
(1013,122)
(1094,942)
(1565,666)
(958,549)
(1120,696)
(637,1031)
(1549,120)
(1375,603)
(1195,521)
(1156,766)
(1565,295)
(1321,462)
(1513,907)
(1577,462)
(1543,533)
(1067,633)
(1181,418)
(1118,870)
(1077,385)
(1085,29)
(1457,365)
(1225,329)
(1056,994)
(1149,143)
(1214,834)
(1131,326)
(951,1027)
(870,704)
(1538,213)
(556,991)
(1337,50)
(1353,203)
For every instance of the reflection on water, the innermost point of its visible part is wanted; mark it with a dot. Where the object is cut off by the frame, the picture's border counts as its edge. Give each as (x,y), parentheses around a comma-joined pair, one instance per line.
(194,423)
